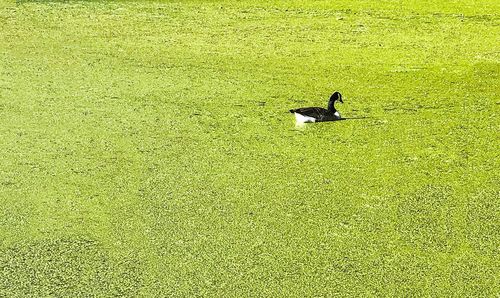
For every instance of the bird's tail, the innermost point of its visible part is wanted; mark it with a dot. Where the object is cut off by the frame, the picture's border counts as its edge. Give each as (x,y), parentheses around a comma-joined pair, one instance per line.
(292,111)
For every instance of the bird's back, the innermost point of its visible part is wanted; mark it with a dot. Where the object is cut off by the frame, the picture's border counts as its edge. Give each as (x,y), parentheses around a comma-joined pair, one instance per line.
(313,112)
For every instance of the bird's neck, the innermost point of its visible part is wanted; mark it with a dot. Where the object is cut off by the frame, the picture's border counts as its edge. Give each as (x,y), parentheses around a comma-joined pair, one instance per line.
(331,106)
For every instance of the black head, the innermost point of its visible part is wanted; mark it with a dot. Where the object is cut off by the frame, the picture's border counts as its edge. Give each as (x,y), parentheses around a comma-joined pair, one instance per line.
(336,96)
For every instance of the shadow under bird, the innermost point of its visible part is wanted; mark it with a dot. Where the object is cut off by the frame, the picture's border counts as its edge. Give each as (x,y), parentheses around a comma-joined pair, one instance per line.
(316,114)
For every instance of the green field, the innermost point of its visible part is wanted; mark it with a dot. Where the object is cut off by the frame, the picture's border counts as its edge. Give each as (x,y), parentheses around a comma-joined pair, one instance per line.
(146,149)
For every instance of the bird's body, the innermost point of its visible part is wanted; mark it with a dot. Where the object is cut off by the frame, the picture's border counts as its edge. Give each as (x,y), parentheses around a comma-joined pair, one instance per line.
(316,114)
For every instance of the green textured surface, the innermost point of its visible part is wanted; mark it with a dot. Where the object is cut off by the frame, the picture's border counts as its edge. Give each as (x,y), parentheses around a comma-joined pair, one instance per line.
(146,149)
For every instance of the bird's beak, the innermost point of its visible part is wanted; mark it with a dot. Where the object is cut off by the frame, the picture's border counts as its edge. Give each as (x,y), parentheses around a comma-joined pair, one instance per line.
(341,101)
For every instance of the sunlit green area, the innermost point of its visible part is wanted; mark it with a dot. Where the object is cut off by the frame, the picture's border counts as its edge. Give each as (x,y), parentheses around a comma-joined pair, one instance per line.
(146,149)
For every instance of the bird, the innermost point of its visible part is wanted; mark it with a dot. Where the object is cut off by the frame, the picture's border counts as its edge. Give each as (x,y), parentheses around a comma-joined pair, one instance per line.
(315,114)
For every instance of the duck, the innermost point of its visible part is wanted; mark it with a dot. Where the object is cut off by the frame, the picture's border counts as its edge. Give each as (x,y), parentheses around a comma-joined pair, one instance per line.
(315,114)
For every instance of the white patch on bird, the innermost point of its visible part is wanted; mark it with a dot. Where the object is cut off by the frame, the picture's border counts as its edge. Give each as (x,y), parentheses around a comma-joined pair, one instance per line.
(337,114)
(303,119)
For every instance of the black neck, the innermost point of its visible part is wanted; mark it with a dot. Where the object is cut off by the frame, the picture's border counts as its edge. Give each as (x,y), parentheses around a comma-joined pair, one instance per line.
(331,106)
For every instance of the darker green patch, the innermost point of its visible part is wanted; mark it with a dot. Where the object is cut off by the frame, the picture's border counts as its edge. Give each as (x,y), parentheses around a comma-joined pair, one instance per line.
(474,276)
(426,218)
(66,268)
(483,222)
